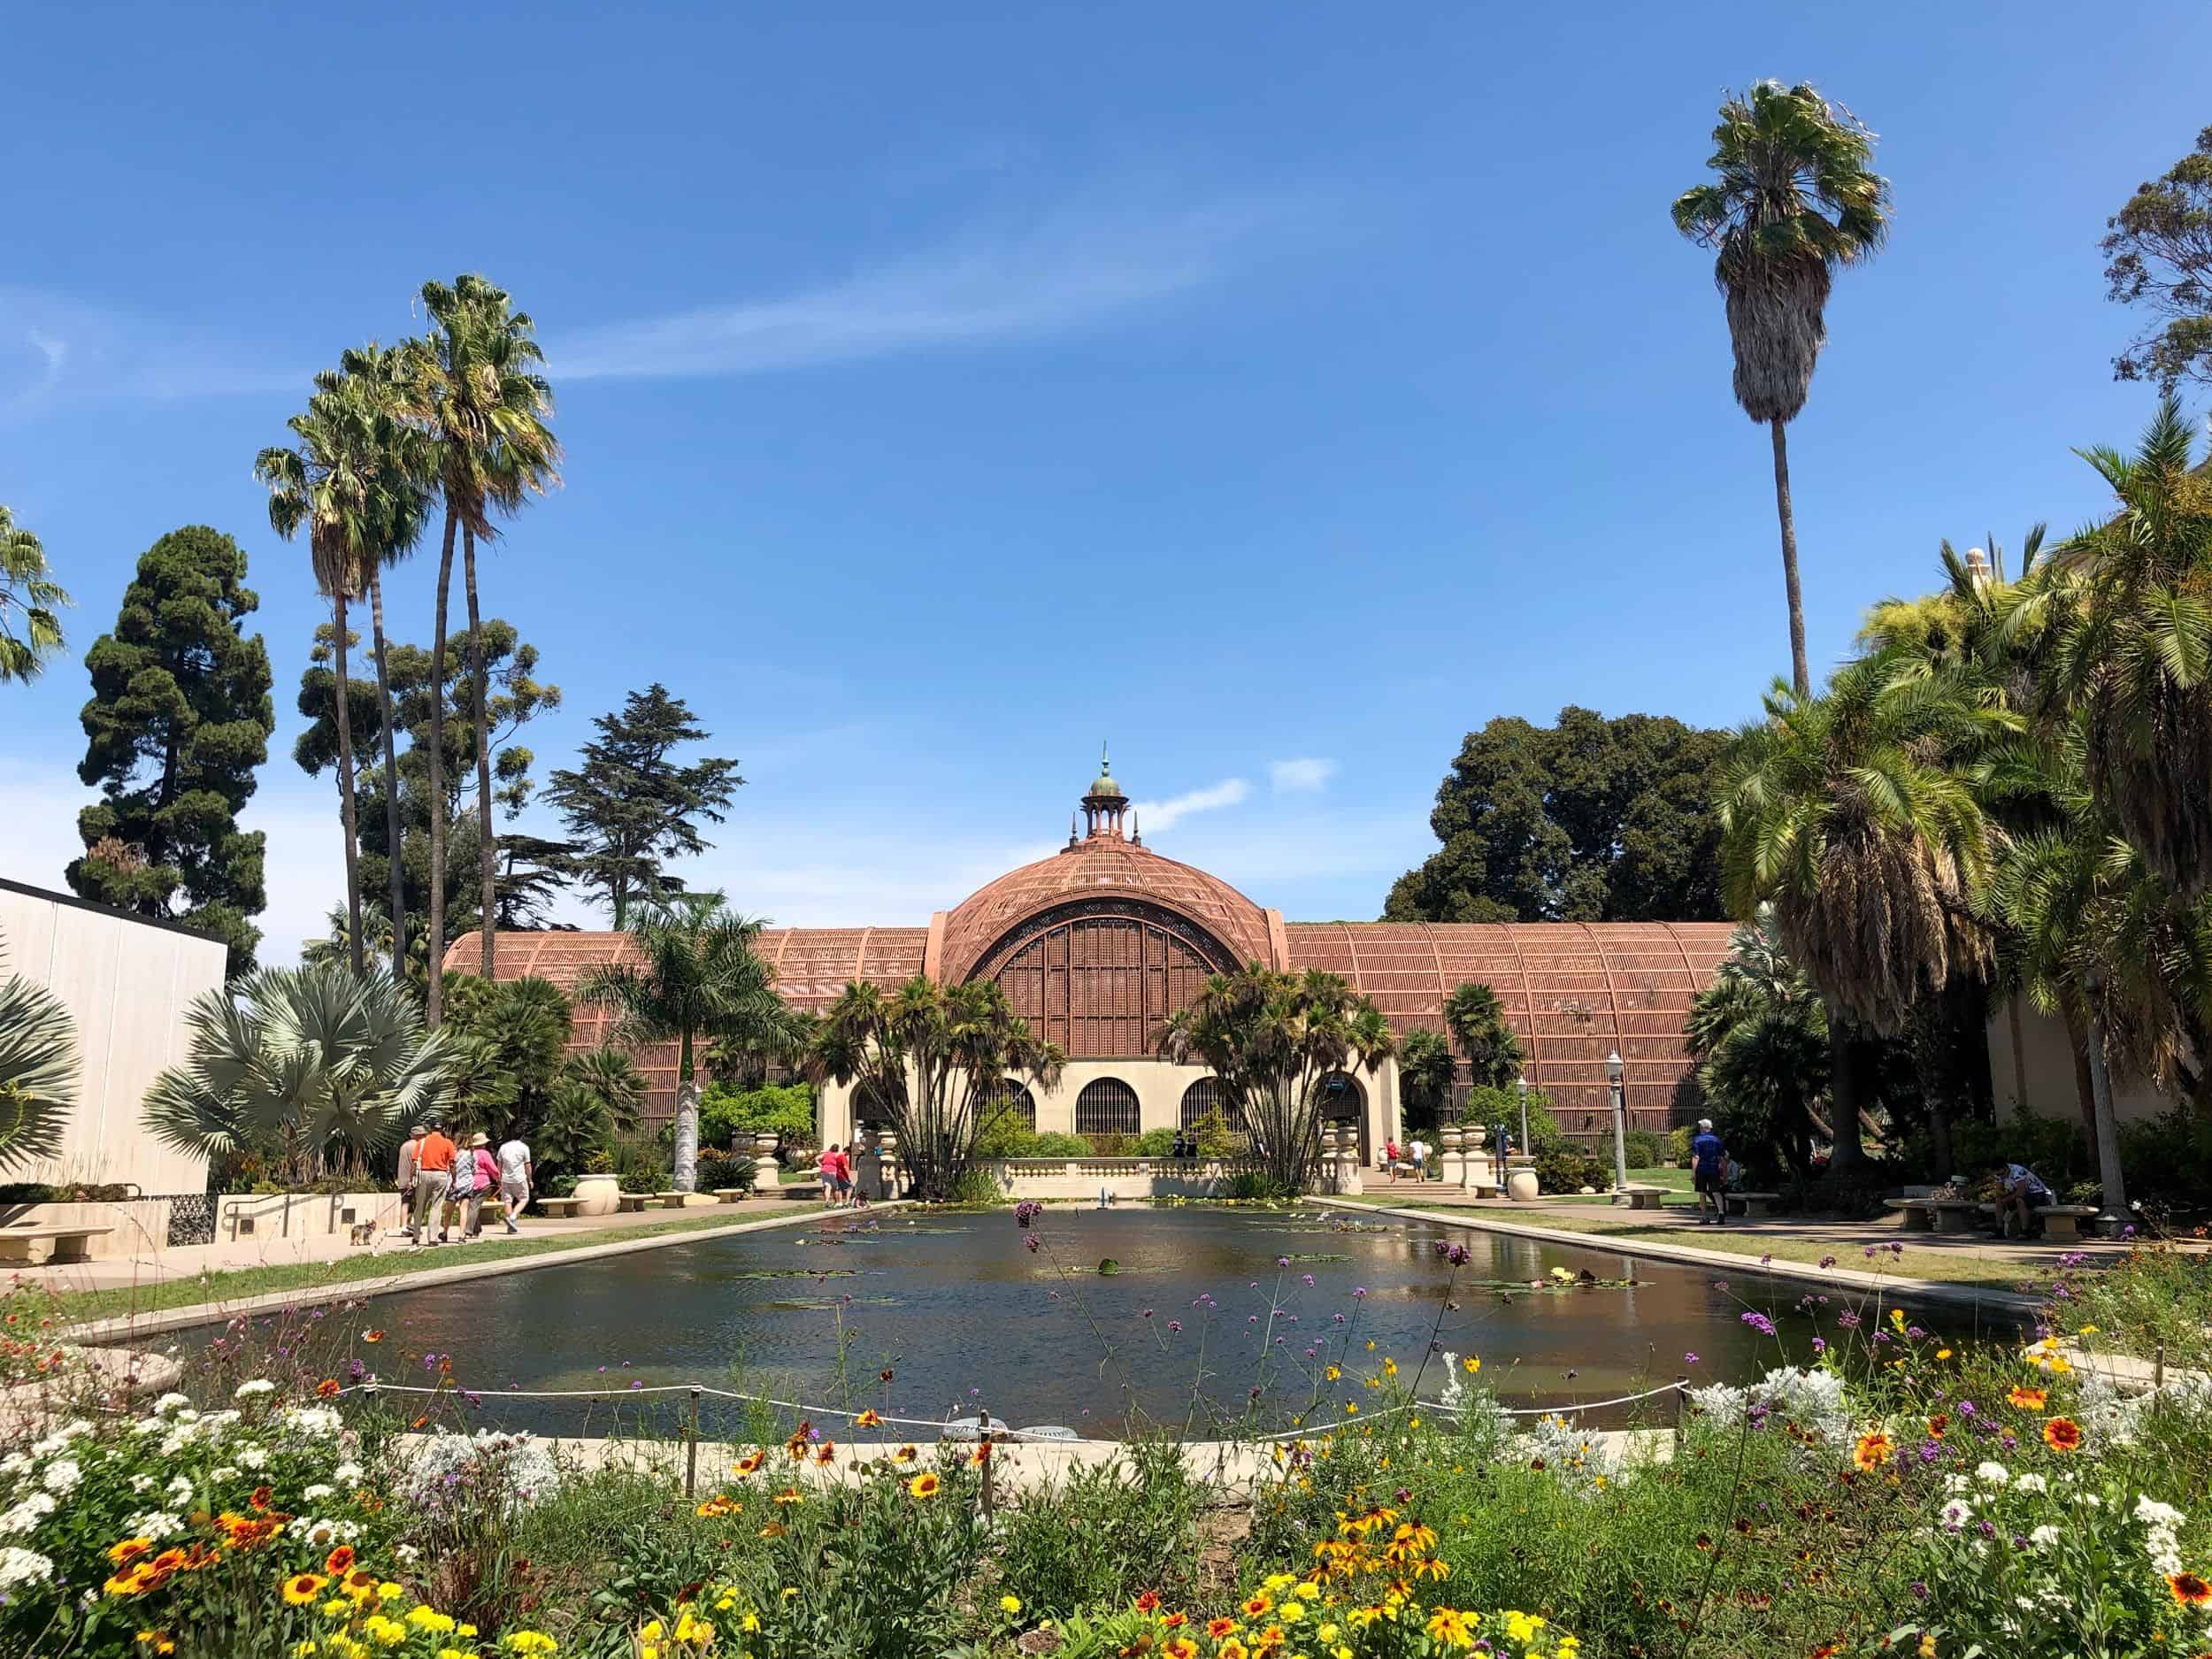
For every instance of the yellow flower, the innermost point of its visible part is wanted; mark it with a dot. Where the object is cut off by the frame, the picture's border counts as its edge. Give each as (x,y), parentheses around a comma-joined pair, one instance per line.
(1943,1353)
(1472,1363)
(1390,1368)
(531,1642)
(1351,1408)
(695,1631)
(1927,1645)
(1009,1604)
(302,1587)
(1450,1628)
(1290,1612)
(651,1629)
(924,1485)
(1333,1372)
(427,1617)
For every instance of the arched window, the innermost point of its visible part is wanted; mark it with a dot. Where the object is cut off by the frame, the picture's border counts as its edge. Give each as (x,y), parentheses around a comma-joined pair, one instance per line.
(1008,1097)
(869,1115)
(1107,1107)
(1203,1098)
(1341,1098)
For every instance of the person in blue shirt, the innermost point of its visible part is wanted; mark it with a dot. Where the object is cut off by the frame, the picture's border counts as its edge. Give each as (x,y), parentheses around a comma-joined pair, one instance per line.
(1709,1173)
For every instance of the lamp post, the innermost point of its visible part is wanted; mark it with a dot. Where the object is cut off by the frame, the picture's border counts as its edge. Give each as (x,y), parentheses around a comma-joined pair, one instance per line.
(1613,1070)
(2113,1218)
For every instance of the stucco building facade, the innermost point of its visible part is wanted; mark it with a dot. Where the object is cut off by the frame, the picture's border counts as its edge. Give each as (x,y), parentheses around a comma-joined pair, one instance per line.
(1097,944)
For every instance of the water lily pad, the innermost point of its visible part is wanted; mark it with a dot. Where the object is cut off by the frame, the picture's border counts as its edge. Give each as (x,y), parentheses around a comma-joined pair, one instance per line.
(1107,1265)
(822,1304)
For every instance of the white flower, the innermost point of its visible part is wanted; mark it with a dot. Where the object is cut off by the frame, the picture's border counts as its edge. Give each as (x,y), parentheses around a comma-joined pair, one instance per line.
(259,1386)
(155,1523)
(318,1492)
(406,1553)
(62,1475)
(147,1425)
(347,1474)
(167,1403)
(2044,1537)
(2151,1512)
(1956,1483)
(319,1421)
(1992,1474)
(254,1458)
(26,1515)
(139,1483)
(1956,1514)
(60,1438)
(2030,1482)
(14,1463)
(2093,1499)
(180,1487)
(23,1566)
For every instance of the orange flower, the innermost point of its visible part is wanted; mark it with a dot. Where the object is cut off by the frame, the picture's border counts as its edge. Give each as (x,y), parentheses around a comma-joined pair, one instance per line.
(2028,1399)
(339,1563)
(301,1587)
(1872,1451)
(129,1550)
(2063,1434)
(826,1452)
(1148,1602)
(1258,1604)
(1174,1620)
(260,1499)
(981,1455)
(1216,1628)
(2189,1590)
(789,1494)
(372,1336)
(868,1420)
(715,1507)
(1937,1424)
(751,1462)
(327,1389)
(906,1454)
(1179,1648)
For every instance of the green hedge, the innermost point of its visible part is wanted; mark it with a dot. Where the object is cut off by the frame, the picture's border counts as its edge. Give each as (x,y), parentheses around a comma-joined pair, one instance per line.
(726,1112)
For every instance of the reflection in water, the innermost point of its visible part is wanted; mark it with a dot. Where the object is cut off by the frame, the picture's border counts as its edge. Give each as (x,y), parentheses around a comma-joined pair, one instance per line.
(1199,1315)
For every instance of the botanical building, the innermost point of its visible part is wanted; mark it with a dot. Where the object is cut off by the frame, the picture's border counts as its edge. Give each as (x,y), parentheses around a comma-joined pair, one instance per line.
(1096,945)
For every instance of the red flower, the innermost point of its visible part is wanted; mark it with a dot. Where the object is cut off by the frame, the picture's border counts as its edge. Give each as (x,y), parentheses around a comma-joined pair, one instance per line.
(1148,1602)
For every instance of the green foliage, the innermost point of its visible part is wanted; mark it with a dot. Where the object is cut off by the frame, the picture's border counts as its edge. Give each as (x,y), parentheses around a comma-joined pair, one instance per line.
(179,719)
(1760,1034)
(1424,1074)
(1563,1167)
(786,1110)
(1139,1531)
(1054,1144)
(718,1170)
(611,1077)
(38,1068)
(1490,1107)
(631,808)
(1004,1135)
(1591,819)
(1645,1149)
(508,1043)
(2158,253)
(30,602)
(643,1166)
(2169,1159)
(1155,1144)
(977,1187)
(1477,1021)
(1215,1139)
(1256,1187)
(2054,1148)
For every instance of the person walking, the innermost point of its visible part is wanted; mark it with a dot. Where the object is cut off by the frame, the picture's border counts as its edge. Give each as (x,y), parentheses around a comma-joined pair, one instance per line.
(1709,1173)
(1419,1150)
(827,1167)
(409,1151)
(515,1174)
(480,1172)
(434,1179)
(1390,1160)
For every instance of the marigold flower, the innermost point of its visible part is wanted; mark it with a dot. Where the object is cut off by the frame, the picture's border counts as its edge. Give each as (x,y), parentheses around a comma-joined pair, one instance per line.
(2063,1434)
(1872,1451)
(303,1588)
(157,1641)
(1009,1604)
(924,1485)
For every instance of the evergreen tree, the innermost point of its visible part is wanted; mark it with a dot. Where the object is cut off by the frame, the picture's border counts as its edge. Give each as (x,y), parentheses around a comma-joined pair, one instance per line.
(630,806)
(180,718)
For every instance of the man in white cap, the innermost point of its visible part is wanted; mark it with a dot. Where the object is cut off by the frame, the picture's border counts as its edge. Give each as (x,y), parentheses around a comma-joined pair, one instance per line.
(1709,1173)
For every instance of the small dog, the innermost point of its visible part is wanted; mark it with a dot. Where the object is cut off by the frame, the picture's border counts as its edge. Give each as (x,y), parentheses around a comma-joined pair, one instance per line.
(364,1232)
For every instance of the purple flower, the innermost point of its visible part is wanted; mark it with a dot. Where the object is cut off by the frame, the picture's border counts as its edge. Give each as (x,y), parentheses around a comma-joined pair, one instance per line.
(1847,1320)
(1767,1260)
(1966,1407)
(1896,1249)
(1759,1322)
(1308,1279)
(1282,1260)
(1721,1284)
(1147,1314)
(1689,1359)
(1919,1591)
(1032,1241)
(1827,1261)
(1988,1531)
(1174,1324)
(1820,1345)
(1358,1291)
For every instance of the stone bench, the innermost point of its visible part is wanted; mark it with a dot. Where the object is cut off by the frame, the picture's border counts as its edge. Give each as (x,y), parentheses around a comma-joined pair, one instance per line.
(729,1194)
(561,1209)
(1939,1215)
(2062,1222)
(69,1244)
(634,1202)
(1641,1197)
(1752,1205)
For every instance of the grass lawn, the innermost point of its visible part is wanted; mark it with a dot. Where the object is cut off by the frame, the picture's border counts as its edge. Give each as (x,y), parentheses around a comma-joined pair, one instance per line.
(313,1278)
(1930,1265)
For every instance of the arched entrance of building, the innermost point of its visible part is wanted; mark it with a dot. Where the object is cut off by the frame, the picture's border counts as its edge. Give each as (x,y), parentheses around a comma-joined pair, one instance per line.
(1343,1101)
(1007,1098)
(1108,1106)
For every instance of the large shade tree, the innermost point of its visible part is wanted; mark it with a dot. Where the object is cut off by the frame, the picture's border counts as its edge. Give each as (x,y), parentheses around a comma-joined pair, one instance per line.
(30,602)
(1794,197)
(320,1066)
(38,1068)
(933,1061)
(689,974)
(1273,1039)
(474,388)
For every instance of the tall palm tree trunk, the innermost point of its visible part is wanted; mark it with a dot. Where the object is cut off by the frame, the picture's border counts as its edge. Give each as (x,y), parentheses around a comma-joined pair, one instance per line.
(2085,1084)
(1844,1077)
(433,1005)
(1800,675)
(486,841)
(393,832)
(685,1174)
(345,811)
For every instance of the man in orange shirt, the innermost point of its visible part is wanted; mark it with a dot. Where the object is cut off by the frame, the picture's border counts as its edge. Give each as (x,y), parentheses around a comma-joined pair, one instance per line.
(433,1179)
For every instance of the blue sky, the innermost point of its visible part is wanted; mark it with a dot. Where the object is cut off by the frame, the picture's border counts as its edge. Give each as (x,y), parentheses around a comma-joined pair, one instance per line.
(1278,392)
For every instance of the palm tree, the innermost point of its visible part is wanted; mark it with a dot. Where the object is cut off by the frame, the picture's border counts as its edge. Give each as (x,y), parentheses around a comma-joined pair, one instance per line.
(26,585)
(1477,1021)
(1857,814)
(38,1068)
(2137,657)
(314,1061)
(932,1059)
(691,974)
(340,481)
(611,1077)
(1426,1067)
(1760,1035)
(1273,1039)
(1794,199)
(474,389)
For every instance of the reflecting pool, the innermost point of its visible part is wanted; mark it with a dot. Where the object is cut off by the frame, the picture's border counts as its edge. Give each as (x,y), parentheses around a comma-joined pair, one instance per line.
(1204,1307)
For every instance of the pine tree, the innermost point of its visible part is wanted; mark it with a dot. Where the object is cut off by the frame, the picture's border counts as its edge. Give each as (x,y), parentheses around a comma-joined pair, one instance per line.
(630,807)
(180,718)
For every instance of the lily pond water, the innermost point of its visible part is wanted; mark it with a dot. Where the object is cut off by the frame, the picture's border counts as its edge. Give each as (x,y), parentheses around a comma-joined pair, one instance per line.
(931,1316)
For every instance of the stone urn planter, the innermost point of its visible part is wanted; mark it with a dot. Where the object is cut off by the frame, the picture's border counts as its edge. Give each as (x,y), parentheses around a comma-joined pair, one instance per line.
(598,1194)
(1520,1187)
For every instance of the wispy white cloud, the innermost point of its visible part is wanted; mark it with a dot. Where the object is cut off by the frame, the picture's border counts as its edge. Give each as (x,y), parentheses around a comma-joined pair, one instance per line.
(1153,816)
(53,348)
(1303,775)
(1069,270)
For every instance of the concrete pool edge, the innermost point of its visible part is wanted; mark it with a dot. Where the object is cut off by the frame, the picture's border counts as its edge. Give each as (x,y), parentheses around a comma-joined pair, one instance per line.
(164,1320)
(1683,1254)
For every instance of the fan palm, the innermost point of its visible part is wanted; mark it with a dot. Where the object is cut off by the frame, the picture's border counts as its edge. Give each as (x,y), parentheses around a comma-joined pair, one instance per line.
(474,389)
(611,1078)
(1857,814)
(314,1061)
(1794,197)
(691,974)
(38,1068)
(2137,656)
(1273,1039)
(29,588)
(1477,1021)
(1424,1074)
(934,1060)
(342,481)
(1760,1035)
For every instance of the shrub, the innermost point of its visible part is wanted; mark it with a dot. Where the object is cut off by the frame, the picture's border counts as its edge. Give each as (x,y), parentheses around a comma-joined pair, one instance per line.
(1254,1185)
(1110,1532)
(2054,1148)
(1645,1149)
(1562,1167)
(1490,1107)
(2168,1158)
(1052,1144)
(1155,1144)
(786,1111)
(642,1168)
(1111,1146)
(719,1169)
(977,1187)
(1005,1136)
